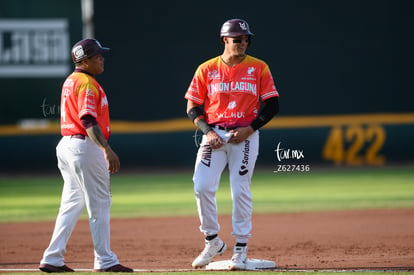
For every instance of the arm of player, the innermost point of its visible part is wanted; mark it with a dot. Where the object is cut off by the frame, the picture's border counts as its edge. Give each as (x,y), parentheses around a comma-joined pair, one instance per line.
(96,135)
(270,109)
(199,120)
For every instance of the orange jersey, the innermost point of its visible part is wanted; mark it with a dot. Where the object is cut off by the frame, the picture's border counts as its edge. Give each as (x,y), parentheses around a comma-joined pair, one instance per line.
(82,95)
(231,95)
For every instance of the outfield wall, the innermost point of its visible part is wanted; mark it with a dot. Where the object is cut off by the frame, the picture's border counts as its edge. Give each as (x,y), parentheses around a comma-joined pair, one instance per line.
(286,143)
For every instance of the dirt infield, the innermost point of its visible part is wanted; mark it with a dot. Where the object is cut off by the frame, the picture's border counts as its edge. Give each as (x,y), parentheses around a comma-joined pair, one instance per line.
(346,239)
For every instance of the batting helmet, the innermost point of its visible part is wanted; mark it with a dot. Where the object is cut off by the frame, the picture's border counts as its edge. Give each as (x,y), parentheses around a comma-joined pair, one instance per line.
(235,27)
(87,48)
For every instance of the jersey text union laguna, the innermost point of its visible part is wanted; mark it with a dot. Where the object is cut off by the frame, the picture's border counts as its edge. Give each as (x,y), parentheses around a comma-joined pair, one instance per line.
(224,87)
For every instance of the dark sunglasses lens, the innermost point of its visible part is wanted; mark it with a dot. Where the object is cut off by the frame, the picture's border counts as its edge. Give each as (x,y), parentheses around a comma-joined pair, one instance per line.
(238,41)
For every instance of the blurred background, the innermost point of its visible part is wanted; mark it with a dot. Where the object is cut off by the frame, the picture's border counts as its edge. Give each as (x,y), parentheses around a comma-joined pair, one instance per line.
(343,70)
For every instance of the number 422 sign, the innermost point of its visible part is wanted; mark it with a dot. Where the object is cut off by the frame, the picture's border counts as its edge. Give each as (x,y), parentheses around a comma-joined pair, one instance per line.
(355,145)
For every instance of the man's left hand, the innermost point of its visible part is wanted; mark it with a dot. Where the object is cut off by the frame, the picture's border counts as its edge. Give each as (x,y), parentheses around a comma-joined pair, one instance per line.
(240,134)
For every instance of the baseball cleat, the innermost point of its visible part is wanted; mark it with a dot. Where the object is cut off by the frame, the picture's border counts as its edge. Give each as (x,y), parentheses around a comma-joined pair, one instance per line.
(115,268)
(52,269)
(239,259)
(213,248)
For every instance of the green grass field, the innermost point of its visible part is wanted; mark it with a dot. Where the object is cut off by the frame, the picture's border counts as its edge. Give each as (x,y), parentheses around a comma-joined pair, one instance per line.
(166,194)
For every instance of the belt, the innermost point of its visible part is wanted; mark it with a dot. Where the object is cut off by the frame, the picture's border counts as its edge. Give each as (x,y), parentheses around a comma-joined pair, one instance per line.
(223,128)
(79,136)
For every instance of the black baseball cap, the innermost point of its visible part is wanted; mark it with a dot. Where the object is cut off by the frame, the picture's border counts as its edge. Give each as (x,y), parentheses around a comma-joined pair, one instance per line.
(87,48)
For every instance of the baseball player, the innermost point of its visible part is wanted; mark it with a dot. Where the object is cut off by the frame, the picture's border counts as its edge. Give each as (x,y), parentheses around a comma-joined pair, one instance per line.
(231,88)
(85,160)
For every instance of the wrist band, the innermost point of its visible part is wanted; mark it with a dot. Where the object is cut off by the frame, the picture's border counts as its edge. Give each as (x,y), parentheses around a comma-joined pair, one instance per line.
(203,126)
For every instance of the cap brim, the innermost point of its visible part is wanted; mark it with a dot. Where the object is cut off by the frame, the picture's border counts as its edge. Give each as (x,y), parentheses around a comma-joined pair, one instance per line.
(237,34)
(104,50)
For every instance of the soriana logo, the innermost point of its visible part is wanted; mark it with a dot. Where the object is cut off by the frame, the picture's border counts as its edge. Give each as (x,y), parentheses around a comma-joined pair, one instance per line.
(34,48)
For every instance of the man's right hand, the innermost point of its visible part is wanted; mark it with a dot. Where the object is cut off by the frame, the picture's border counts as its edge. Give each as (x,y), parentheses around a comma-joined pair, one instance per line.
(214,140)
(112,159)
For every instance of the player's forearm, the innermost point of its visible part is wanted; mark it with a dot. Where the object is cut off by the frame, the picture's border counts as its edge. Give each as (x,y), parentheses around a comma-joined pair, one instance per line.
(196,115)
(270,109)
(94,131)
(95,134)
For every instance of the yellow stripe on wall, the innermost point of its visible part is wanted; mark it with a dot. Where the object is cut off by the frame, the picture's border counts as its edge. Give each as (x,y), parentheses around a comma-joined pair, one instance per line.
(42,127)
(338,120)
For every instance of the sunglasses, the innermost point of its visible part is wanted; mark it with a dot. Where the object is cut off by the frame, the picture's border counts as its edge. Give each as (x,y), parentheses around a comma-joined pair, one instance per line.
(239,41)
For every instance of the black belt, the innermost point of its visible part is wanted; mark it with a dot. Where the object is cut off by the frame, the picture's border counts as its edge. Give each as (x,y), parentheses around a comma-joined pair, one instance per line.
(223,128)
(79,136)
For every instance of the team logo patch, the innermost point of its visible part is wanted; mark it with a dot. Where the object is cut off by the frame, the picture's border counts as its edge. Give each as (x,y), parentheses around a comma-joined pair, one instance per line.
(78,52)
(232,105)
(243,26)
(213,75)
(250,75)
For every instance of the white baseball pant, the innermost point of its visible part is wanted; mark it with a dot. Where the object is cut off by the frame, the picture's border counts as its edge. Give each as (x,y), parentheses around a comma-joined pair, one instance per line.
(86,184)
(210,163)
